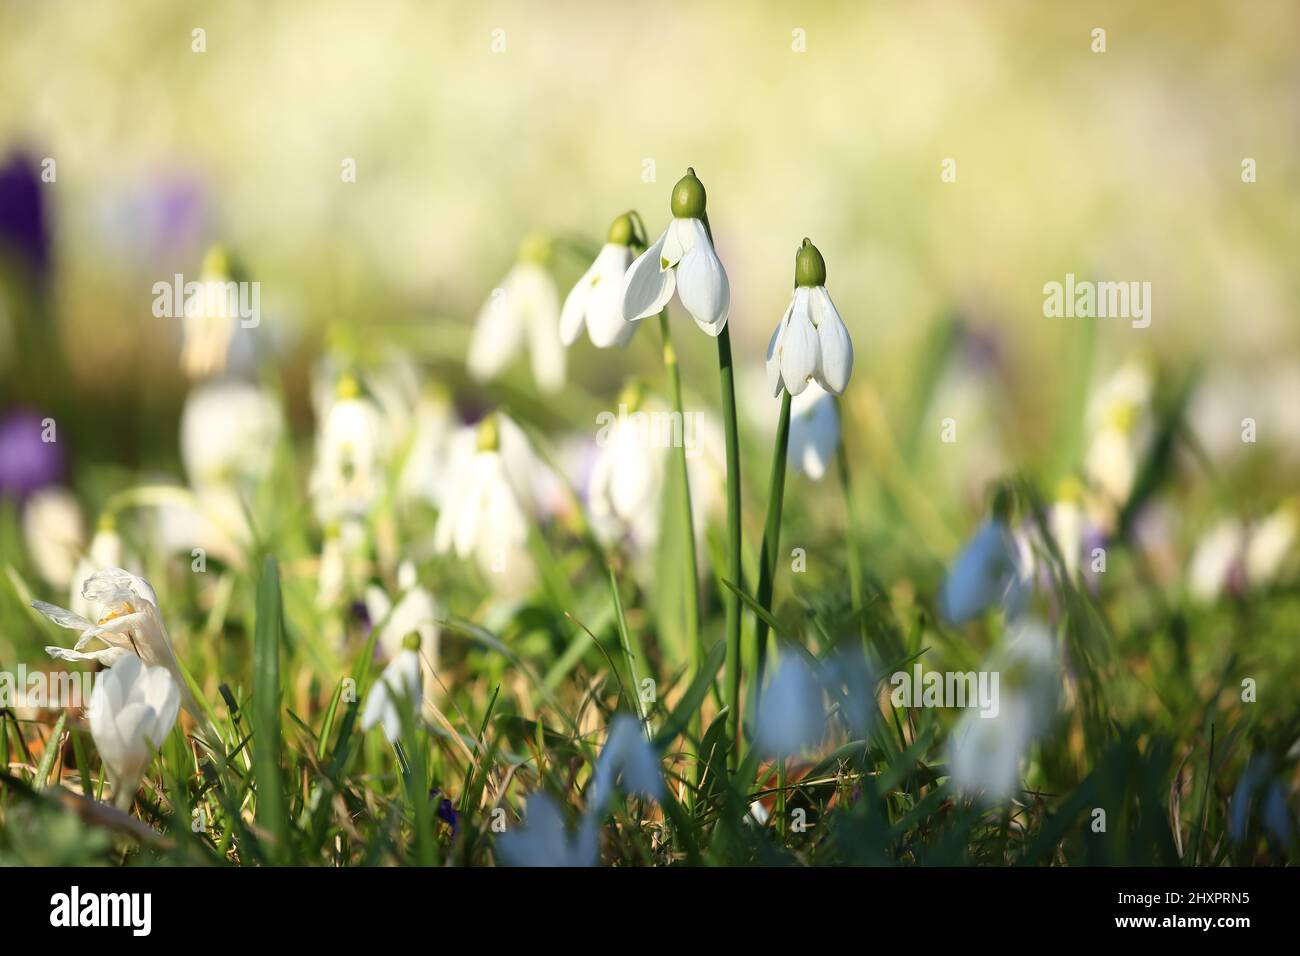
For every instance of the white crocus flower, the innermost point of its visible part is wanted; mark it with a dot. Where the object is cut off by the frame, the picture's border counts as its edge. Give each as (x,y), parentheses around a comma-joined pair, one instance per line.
(54,532)
(596,299)
(228,432)
(402,680)
(127,622)
(525,308)
(132,710)
(814,431)
(985,752)
(988,570)
(487,509)
(810,342)
(349,455)
(544,840)
(681,260)
(105,552)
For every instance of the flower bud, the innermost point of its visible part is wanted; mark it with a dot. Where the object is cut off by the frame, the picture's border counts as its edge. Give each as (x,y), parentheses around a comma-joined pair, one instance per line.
(688,197)
(347,388)
(489,434)
(411,642)
(621,231)
(809,266)
(535,248)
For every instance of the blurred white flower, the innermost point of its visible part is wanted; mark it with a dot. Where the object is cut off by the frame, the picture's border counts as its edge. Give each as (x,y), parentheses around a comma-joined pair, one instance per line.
(681,260)
(625,487)
(229,430)
(810,342)
(814,431)
(596,300)
(544,839)
(985,753)
(627,759)
(1215,560)
(1271,540)
(525,308)
(989,570)
(424,474)
(1233,557)
(132,710)
(401,681)
(54,533)
(350,452)
(127,623)
(1118,420)
(212,322)
(791,715)
(416,612)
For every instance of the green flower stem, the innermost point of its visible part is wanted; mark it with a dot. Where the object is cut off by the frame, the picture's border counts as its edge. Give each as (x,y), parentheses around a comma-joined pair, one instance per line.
(727,375)
(851,519)
(771,539)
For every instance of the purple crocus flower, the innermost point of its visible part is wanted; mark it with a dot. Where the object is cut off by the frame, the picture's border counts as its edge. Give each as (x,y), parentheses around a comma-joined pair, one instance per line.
(27,462)
(24,231)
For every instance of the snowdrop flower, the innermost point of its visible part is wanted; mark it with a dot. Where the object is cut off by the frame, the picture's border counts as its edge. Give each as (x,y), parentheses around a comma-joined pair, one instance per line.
(54,533)
(810,342)
(132,710)
(681,260)
(228,430)
(425,469)
(127,623)
(625,486)
(524,308)
(105,552)
(627,757)
(486,513)
(989,570)
(416,612)
(814,431)
(1216,561)
(211,319)
(343,558)
(1270,542)
(985,752)
(791,717)
(596,300)
(350,449)
(544,840)
(401,681)
(1118,418)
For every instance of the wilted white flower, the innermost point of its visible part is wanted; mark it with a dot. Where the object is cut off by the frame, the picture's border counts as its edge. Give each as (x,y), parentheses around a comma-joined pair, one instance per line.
(127,623)
(629,759)
(402,680)
(525,308)
(349,455)
(989,570)
(810,342)
(54,533)
(132,710)
(544,840)
(596,300)
(228,431)
(681,260)
(814,431)
(791,716)
(985,752)
(105,552)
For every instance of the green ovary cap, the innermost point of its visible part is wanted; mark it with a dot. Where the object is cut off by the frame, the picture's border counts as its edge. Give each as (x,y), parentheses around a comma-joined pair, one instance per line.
(412,641)
(809,266)
(489,434)
(536,248)
(621,231)
(688,197)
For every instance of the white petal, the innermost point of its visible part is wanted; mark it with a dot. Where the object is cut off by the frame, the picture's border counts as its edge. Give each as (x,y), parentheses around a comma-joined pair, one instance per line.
(62,616)
(799,346)
(647,287)
(498,334)
(574,312)
(702,283)
(836,348)
(539,305)
(774,352)
(605,323)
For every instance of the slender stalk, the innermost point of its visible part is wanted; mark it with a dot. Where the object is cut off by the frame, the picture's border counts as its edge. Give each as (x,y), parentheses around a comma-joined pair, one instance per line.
(727,375)
(851,519)
(771,539)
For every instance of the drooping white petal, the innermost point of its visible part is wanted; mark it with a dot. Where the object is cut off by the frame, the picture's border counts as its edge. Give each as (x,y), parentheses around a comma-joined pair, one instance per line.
(648,285)
(702,282)
(544,839)
(605,323)
(835,348)
(798,346)
(627,756)
(62,617)
(774,381)
(107,656)
(401,679)
(574,313)
(814,431)
(498,334)
(539,308)
(981,574)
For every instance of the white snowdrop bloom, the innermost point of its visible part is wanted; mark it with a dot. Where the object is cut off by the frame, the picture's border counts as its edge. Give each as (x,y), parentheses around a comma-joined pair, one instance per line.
(625,487)
(132,710)
(544,840)
(424,475)
(126,622)
(401,680)
(791,716)
(1066,523)
(342,558)
(416,612)
(487,511)
(810,342)
(212,318)
(349,455)
(105,551)
(985,753)
(627,759)
(596,299)
(228,431)
(1270,542)
(988,570)
(523,310)
(54,532)
(680,260)
(1215,559)
(814,431)
(1118,420)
